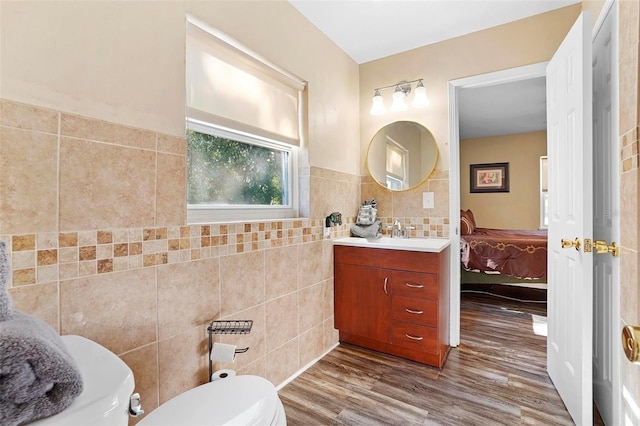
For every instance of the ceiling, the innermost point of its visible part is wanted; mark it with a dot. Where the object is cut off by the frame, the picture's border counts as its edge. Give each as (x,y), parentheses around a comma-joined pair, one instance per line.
(504,109)
(371,29)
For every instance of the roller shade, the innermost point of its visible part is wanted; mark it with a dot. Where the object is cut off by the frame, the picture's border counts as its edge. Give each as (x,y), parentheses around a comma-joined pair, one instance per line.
(231,86)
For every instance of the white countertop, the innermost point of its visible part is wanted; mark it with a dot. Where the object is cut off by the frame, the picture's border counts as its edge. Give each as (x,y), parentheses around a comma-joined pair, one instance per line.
(433,245)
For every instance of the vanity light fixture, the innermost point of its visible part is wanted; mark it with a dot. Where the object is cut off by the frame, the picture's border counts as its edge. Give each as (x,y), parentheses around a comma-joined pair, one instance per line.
(420,99)
(400,93)
(377,107)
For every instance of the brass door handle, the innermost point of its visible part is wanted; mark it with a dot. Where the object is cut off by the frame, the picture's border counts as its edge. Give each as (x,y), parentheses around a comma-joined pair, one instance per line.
(601,246)
(631,343)
(568,243)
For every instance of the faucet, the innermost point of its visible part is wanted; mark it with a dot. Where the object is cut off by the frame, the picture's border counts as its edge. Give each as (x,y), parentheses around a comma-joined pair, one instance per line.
(398,232)
(407,231)
(396,229)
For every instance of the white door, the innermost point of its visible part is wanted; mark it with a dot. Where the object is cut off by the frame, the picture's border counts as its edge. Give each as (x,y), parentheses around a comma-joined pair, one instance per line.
(570,273)
(606,221)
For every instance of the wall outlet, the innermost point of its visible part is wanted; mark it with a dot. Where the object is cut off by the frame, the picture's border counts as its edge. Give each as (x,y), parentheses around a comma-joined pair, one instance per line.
(428,200)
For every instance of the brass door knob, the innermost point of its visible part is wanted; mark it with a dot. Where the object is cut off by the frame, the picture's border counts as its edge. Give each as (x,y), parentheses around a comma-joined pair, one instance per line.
(568,243)
(601,246)
(631,343)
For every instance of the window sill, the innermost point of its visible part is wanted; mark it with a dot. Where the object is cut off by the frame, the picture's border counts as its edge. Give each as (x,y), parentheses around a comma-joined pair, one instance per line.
(198,216)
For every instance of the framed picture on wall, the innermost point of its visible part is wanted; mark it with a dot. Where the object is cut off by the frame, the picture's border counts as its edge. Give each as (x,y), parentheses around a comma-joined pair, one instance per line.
(493,177)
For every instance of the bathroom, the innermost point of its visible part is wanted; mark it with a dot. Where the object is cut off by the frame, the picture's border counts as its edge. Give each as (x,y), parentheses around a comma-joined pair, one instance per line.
(93,203)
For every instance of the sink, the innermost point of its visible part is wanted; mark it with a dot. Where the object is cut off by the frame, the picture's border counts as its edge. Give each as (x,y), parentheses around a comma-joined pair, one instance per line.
(434,245)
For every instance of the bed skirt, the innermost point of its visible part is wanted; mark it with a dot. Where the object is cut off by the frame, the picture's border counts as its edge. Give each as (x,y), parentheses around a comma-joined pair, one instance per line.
(470,277)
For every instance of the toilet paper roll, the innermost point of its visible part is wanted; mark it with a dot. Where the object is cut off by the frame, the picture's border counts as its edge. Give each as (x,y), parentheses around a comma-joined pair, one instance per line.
(222,374)
(223,352)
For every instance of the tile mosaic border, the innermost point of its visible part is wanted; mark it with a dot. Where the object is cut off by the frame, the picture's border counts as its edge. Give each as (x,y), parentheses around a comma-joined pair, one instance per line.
(51,256)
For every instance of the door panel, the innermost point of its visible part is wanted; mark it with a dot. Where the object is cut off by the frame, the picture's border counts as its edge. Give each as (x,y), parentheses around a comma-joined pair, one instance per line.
(570,280)
(606,222)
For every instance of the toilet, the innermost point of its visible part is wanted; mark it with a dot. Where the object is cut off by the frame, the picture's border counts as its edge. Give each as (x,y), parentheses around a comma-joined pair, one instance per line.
(239,400)
(107,397)
(107,387)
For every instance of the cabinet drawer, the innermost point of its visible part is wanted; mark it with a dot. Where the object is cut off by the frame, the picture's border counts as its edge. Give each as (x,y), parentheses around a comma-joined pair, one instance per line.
(415,285)
(417,337)
(415,311)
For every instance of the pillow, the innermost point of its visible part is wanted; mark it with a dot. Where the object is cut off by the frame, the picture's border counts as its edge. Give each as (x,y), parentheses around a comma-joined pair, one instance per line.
(467,222)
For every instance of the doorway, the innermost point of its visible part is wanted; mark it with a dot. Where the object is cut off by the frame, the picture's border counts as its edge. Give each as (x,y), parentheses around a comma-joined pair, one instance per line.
(606,331)
(513,75)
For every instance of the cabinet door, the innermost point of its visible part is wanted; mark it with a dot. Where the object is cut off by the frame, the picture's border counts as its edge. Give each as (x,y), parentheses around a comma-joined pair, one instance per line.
(363,301)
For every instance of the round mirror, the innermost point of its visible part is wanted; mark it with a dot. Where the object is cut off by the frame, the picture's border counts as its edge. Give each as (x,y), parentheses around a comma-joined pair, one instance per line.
(402,155)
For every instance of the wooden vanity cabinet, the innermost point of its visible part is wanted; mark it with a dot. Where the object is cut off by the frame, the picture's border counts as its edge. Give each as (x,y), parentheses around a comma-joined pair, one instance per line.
(393,301)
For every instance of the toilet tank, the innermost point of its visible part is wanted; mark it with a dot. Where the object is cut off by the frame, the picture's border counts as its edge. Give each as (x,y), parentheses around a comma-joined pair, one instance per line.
(107,387)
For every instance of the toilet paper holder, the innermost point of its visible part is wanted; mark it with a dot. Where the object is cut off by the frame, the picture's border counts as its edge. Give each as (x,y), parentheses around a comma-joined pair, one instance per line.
(227,327)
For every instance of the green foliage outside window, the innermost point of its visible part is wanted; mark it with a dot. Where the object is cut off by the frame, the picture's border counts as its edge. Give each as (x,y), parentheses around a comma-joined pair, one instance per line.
(224,171)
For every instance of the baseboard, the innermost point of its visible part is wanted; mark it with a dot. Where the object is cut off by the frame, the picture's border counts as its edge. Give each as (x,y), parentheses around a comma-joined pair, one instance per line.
(305,368)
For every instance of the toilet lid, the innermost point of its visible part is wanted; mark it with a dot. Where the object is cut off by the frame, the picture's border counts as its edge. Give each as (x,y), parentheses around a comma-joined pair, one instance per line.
(107,384)
(239,400)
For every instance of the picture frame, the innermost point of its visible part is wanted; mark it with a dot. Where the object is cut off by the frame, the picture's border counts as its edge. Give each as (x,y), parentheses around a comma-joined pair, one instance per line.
(490,177)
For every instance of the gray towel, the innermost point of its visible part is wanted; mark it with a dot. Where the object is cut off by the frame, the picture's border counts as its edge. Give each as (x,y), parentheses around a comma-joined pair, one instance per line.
(366,215)
(6,308)
(371,231)
(38,377)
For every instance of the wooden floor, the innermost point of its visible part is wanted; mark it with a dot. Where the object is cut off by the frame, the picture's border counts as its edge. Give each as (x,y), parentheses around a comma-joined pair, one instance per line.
(497,376)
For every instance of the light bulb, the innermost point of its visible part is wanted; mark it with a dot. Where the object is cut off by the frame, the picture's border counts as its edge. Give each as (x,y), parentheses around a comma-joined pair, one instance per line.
(398,100)
(420,99)
(377,106)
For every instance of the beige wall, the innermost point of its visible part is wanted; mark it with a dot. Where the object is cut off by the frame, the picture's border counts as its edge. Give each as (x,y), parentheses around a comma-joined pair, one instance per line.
(123,62)
(519,208)
(92,196)
(527,41)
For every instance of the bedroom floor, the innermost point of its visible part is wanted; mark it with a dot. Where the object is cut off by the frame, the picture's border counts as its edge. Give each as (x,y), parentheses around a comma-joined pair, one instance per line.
(496,376)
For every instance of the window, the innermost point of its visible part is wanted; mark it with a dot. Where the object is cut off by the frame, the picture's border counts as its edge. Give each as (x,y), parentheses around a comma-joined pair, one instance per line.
(544,194)
(232,175)
(243,131)
(396,165)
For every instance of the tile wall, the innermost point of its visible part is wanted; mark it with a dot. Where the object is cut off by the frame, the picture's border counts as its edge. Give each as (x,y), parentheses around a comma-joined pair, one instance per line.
(94,216)
(629,122)
(407,205)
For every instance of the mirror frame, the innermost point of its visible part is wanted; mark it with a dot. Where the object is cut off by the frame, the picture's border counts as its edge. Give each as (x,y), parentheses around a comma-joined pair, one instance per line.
(425,178)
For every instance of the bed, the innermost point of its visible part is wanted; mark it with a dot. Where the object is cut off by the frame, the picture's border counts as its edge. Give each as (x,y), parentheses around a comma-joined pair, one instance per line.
(501,256)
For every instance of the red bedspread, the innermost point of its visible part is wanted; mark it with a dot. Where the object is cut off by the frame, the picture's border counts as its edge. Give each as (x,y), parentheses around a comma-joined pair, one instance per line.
(521,254)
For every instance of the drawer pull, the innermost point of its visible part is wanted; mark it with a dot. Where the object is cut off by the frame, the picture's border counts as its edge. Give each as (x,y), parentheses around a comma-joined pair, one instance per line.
(386,279)
(413,337)
(413,285)
(411,311)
